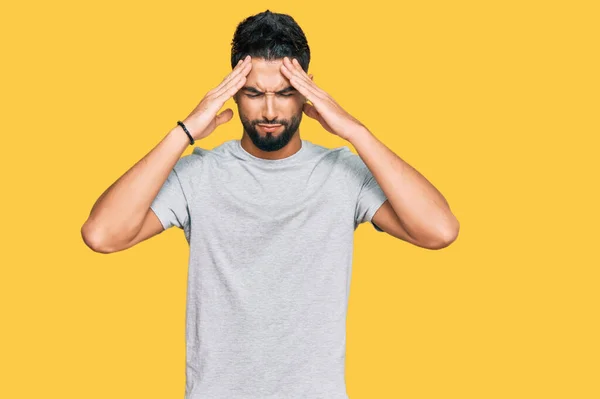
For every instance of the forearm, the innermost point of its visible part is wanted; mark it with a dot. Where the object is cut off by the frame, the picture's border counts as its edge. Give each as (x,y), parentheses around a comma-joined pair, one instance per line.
(421,208)
(118,214)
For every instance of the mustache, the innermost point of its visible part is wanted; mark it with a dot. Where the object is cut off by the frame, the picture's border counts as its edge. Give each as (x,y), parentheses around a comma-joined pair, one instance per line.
(270,123)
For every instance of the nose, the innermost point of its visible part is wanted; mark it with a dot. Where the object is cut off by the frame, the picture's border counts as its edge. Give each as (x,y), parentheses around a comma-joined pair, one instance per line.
(269,109)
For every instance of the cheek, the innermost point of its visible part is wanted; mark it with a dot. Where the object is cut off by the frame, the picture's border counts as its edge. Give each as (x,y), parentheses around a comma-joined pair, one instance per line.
(292,106)
(246,107)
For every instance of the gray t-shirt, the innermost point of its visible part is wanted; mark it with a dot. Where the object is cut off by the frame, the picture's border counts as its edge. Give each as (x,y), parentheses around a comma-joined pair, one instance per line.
(271,244)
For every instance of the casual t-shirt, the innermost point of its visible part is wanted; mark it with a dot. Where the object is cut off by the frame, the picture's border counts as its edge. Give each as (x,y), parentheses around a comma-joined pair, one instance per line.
(271,245)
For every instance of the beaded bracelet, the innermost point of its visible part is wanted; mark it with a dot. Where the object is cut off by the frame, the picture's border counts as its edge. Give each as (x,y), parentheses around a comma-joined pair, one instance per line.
(180,123)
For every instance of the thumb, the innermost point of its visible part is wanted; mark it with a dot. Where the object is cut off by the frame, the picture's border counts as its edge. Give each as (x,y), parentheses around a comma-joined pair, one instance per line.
(224,117)
(310,111)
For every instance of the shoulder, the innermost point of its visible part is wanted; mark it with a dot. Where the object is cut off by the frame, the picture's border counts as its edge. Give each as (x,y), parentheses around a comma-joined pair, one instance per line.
(351,163)
(201,156)
(341,160)
(340,157)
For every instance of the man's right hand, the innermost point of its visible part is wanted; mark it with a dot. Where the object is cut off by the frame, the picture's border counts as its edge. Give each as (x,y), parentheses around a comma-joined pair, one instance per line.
(204,119)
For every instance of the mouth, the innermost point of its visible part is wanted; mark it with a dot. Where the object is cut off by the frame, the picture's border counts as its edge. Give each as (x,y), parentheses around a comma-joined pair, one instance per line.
(269,128)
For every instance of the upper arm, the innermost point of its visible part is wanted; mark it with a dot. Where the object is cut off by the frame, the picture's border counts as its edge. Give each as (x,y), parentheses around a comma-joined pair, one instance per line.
(169,208)
(171,205)
(370,196)
(386,219)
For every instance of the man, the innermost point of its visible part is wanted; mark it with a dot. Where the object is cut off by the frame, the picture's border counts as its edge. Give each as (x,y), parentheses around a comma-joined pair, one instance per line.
(270,221)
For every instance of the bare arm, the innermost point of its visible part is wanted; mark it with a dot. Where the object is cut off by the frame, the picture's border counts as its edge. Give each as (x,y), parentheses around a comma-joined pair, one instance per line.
(118,215)
(422,211)
(121,216)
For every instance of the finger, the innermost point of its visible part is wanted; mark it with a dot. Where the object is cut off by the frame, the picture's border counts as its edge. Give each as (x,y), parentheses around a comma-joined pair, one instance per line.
(243,72)
(299,73)
(237,70)
(308,78)
(216,100)
(239,66)
(296,68)
(310,111)
(301,86)
(224,117)
(230,89)
(291,66)
(306,91)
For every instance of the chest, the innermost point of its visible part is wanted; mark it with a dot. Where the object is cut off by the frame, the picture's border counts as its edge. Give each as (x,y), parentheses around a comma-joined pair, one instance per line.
(311,206)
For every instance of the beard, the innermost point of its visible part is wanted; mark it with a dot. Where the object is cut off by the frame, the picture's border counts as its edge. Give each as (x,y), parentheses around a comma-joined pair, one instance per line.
(271,142)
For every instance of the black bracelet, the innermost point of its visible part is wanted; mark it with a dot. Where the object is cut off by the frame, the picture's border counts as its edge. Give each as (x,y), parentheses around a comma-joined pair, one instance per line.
(180,123)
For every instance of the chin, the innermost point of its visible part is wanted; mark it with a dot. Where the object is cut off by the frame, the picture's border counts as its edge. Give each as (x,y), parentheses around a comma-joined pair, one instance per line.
(272,141)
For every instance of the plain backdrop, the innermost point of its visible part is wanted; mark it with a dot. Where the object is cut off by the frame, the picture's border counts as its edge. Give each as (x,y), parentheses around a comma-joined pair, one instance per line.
(495,103)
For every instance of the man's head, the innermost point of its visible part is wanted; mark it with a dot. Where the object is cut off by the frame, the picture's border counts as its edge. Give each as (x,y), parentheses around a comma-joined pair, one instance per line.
(267,96)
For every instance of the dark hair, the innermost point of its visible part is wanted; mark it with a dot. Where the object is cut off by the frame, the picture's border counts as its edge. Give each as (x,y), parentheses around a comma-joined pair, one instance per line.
(271,36)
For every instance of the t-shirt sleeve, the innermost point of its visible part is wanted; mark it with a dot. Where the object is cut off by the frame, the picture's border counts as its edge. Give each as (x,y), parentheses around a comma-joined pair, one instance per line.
(370,196)
(170,204)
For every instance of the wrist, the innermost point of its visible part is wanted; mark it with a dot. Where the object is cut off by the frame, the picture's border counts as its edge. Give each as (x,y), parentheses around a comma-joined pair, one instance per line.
(177,135)
(186,131)
(193,126)
(358,134)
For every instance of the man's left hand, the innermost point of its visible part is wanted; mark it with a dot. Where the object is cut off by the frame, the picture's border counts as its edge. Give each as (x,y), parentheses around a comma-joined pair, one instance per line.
(324,108)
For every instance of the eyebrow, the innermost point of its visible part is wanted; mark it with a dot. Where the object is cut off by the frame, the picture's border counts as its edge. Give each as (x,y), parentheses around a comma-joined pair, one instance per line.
(255,90)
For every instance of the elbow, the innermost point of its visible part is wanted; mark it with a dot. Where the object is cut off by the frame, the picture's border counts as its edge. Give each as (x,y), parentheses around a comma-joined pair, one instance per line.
(448,237)
(92,238)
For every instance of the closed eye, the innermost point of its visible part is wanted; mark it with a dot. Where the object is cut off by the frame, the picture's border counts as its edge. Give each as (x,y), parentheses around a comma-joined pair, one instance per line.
(258,95)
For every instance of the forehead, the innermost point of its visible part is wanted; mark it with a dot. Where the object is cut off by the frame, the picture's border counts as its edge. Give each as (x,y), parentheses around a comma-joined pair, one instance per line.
(266,75)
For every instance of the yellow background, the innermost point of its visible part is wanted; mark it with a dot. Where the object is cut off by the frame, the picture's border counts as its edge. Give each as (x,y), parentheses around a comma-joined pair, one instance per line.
(496,103)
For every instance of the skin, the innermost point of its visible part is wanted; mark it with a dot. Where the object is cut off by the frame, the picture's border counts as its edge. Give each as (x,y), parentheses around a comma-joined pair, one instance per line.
(263,99)
(415,210)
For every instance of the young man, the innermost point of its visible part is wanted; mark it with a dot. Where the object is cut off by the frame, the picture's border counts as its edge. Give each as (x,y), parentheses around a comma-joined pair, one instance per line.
(270,221)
